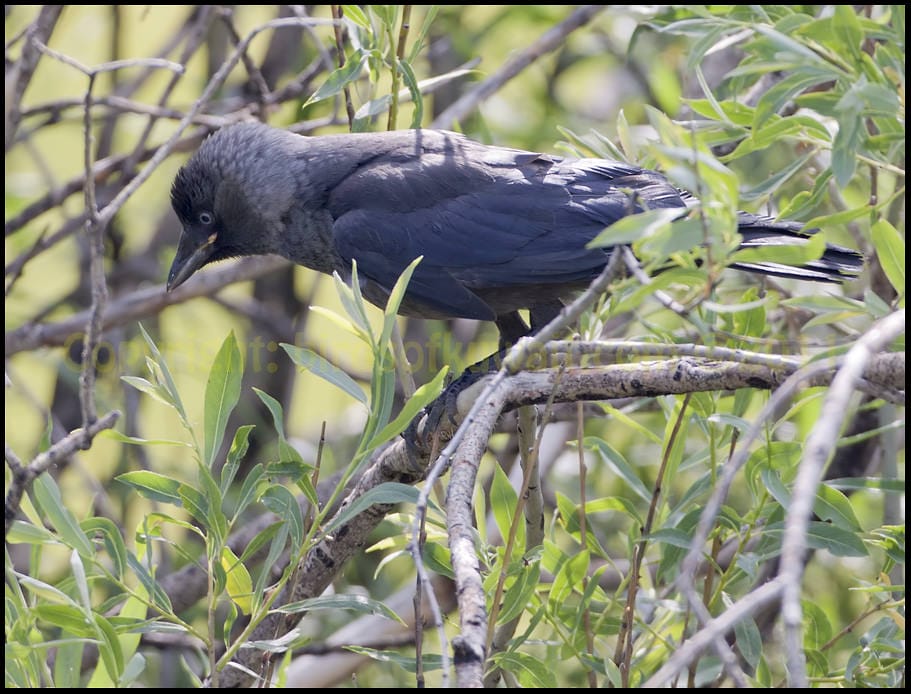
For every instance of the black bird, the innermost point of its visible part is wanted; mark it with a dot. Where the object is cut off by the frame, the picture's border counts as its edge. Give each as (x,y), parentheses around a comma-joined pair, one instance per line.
(499,229)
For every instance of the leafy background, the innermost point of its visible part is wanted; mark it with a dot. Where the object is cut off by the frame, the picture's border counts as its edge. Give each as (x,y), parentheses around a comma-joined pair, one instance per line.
(791,109)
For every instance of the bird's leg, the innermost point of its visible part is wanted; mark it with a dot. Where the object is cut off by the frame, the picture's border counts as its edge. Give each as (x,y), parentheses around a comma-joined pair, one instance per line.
(512,327)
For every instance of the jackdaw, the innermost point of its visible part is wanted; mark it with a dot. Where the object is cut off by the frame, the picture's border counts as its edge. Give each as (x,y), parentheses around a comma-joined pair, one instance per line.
(499,229)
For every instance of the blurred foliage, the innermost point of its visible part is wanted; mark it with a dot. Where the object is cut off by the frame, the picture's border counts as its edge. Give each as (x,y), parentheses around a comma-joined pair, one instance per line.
(791,110)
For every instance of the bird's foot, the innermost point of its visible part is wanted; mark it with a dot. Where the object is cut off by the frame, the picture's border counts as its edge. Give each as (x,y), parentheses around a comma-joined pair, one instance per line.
(442,413)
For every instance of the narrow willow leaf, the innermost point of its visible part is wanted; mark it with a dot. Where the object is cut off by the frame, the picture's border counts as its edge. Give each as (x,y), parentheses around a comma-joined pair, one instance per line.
(429,662)
(634,227)
(115,435)
(339,78)
(153,486)
(109,647)
(322,367)
(155,391)
(236,454)
(796,252)
(890,249)
(222,394)
(341,322)
(47,495)
(112,539)
(348,294)
(355,603)
(411,81)
(422,397)
(239,584)
(167,380)
(503,502)
(386,493)
(282,503)
(619,465)
(832,505)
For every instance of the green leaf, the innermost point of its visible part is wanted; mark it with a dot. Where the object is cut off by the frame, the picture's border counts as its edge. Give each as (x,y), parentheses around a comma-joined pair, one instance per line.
(844,147)
(395,300)
(155,391)
(890,250)
(429,661)
(569,578)
(619,465)
(109,647)
(854,483)
(634,227)
(22,532)
(115,435)
(222,394)
(832,505)
(518,593)
(341,322)
(70,619)
(847,28)
(411,81)
(749,640)
(339,78)
(319,366)
(356,15)
(751,322)
(283,504)
(286,450)
(503,501)
(46,591)
(163,374)
(788,251)
(387,493)
(672,536)
(195,502)
(112,539)
(355,603)
(46,494)
(817,630)
(239,585)
(835,540)
(152,588)
(529,670)
(249,490)
(778,95)
(67,662)
(422,397)
(238,450)
(153,486)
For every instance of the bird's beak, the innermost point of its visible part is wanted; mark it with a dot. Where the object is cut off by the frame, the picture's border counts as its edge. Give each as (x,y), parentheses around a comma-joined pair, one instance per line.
(189,259)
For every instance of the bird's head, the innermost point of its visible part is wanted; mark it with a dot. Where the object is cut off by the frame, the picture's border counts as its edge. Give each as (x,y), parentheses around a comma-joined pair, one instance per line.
(230,198)
(193,197)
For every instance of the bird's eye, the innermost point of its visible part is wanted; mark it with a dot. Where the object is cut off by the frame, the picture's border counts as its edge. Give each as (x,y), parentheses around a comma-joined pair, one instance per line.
(206,218)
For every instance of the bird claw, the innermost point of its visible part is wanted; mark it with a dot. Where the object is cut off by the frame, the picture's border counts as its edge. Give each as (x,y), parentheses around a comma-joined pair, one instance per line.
(421,430)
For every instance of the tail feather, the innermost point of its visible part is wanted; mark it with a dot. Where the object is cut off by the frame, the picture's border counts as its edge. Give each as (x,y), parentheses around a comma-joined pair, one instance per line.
(837,264)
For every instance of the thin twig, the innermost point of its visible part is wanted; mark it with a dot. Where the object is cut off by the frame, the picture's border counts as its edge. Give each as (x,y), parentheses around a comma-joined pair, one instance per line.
(19,77)
(79,439)
(818,449)
(338,13)
(140,303)
(397,57)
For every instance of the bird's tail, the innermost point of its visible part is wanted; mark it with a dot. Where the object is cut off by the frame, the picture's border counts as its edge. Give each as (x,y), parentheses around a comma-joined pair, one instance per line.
(837,264)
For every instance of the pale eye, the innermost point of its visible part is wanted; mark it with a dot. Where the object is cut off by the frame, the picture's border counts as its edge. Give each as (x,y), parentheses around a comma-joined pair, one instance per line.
(206,218)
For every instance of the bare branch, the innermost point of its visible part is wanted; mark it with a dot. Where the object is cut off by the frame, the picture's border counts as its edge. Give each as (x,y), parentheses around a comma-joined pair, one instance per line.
(17,80)
(142,302)
(818,450)
(78,440)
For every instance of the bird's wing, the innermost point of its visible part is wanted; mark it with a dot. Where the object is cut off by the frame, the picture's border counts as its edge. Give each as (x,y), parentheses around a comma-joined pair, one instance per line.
(509,219)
